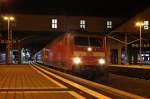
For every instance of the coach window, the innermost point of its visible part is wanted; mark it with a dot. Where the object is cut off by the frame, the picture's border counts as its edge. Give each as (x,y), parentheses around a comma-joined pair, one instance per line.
(146,25)
(54,23)
(82,24)
(109,24)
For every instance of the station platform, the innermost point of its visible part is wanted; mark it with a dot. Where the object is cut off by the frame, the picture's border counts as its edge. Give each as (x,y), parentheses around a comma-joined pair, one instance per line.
(39,82)
(25,82)
(138,71)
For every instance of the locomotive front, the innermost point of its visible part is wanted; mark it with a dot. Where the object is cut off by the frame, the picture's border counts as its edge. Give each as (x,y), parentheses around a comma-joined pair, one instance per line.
(89,54)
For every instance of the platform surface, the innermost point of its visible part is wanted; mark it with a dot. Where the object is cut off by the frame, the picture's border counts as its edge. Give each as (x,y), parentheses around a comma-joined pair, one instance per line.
(24,82)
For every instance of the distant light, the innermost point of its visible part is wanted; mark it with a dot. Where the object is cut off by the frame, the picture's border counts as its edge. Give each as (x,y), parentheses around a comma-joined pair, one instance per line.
(9,18)
(139,24)
(28,54)
(146,54)
(23,54)
(5,18)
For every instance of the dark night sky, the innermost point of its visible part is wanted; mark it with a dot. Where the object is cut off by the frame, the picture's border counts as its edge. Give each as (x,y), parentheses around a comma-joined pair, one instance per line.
(75,7)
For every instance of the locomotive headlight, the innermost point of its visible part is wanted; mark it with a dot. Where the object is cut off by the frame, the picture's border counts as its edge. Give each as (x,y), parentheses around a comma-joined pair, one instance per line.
(89,49)
(76,60)
(102,61)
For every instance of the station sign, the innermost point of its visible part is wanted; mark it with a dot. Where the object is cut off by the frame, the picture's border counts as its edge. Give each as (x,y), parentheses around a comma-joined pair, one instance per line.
(142,45)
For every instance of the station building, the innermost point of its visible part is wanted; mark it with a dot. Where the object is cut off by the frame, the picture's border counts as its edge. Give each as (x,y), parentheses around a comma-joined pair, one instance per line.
(121,32)
(126,39)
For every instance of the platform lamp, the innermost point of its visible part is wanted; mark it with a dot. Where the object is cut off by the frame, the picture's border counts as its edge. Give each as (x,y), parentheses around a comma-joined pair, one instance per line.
(140,24)
(9,38)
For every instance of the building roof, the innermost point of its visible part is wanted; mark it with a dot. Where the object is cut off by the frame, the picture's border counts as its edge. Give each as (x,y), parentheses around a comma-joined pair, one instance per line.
(116,8)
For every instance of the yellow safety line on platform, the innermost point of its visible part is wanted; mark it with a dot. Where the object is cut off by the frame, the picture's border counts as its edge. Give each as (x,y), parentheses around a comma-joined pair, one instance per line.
(54,81)
(84,89)
(132,66)
(76,95)
(30,88)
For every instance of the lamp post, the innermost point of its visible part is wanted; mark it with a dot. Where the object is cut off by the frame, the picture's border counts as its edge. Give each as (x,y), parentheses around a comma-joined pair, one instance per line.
(140,24)
(9,38)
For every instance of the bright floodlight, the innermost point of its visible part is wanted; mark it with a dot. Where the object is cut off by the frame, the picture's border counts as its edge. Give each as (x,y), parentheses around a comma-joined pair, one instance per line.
(139,24)
(9,18)
(5,18)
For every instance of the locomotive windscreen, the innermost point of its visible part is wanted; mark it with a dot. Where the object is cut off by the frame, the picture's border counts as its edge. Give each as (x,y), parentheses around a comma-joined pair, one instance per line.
(88,41)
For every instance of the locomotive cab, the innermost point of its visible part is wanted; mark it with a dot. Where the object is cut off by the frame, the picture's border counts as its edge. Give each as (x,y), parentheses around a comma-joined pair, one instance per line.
(89,55)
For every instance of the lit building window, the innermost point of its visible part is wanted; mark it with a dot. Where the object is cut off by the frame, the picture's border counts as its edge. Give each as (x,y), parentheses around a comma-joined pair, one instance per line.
(109,24)
(146,25)
(54,23)
(82,24)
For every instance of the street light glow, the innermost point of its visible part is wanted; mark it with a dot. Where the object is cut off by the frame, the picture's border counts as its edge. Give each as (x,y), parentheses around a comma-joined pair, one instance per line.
(9,39)
(9,18)
(139,24)
(5,18)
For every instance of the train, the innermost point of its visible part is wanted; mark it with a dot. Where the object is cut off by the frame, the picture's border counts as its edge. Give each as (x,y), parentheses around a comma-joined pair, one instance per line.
(78,53)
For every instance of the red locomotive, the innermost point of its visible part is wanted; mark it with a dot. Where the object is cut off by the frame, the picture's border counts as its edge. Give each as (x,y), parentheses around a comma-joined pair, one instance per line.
(77,53)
